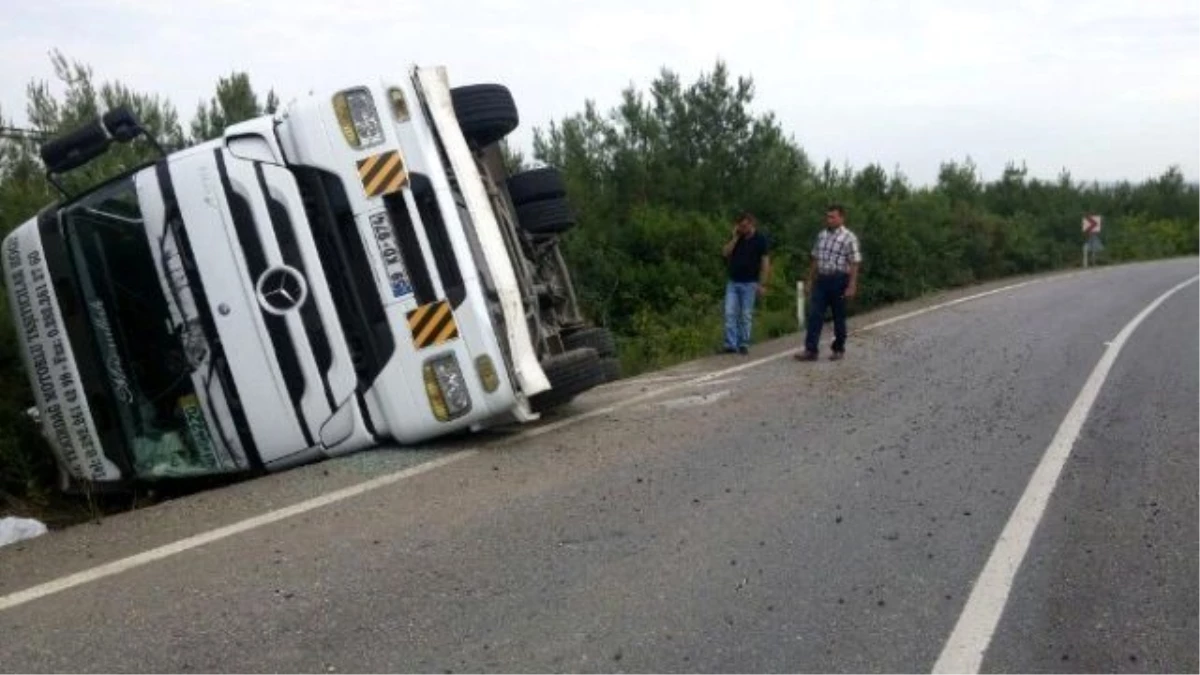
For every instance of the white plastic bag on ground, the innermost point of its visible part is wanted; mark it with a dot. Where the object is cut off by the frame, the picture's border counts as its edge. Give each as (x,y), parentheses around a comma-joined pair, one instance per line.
(14,529)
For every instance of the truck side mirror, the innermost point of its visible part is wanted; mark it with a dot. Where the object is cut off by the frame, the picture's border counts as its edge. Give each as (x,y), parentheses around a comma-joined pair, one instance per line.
(75,148)
(121,125)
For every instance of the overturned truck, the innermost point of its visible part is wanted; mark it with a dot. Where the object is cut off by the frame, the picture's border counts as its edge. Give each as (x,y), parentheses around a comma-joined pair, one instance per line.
(356,269)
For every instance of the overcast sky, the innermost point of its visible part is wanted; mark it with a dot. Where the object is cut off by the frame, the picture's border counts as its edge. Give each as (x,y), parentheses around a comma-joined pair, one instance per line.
(1109,89)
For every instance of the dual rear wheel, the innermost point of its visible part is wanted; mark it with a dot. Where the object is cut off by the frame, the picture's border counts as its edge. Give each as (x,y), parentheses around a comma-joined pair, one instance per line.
(487,114)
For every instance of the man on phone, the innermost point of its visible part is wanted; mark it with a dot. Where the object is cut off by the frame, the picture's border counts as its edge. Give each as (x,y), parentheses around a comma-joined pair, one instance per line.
(832,280)
(749,268)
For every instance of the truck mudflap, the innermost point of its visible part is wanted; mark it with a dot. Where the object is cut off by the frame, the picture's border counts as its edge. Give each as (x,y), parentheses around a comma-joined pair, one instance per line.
(434,87)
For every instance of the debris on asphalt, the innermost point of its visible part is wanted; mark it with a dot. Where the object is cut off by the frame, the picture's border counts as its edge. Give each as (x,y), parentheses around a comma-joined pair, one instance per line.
(13,529)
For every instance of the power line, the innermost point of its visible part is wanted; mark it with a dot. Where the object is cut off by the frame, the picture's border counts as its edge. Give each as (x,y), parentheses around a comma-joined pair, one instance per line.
(21,134)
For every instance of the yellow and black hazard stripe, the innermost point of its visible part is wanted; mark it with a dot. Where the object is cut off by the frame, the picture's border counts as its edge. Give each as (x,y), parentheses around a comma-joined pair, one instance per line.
(383,173)
(432,324)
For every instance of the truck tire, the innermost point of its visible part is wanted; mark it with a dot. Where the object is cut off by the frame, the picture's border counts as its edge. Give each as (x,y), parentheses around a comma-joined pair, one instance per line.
(600,339)
(486,113)
(548,216)
(531,186)
(570,373)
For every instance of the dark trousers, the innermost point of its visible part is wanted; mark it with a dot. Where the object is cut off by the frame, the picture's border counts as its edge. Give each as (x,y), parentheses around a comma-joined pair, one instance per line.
(828,293)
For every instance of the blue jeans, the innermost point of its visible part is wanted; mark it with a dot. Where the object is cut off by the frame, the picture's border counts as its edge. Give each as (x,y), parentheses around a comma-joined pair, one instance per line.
(739,312)
(828,293)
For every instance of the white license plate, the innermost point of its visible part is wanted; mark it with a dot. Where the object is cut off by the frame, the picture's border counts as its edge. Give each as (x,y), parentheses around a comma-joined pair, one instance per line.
(389,251)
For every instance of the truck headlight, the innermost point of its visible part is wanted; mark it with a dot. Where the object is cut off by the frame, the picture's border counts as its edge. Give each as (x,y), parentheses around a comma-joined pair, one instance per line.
(446,388)
(357,117)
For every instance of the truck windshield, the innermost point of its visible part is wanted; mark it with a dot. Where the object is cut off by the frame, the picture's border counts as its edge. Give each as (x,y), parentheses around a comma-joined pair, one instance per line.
(148,375)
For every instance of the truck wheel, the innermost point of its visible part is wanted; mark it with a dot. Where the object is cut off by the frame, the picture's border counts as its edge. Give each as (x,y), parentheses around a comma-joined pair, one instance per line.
(486,113)
(600,339)
(570,374)
(531,186)
(548,216)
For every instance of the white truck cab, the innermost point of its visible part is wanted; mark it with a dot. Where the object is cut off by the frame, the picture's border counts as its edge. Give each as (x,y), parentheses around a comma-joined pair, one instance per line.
(356,269)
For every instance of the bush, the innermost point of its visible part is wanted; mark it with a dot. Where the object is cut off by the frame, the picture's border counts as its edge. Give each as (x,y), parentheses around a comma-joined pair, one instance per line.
(27,469)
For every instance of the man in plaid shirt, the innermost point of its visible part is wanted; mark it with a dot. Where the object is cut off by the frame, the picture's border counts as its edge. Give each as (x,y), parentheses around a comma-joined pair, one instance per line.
(832,279)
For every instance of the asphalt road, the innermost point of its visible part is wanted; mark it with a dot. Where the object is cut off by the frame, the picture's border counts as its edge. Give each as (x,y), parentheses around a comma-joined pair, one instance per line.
(777,517)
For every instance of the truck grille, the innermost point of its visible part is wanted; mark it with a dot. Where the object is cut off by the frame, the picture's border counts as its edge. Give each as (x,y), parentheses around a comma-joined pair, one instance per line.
(256,262)
(310,316)
(348,270)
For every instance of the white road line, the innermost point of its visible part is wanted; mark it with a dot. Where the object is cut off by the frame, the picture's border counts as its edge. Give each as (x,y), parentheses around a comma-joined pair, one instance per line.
(973,633)
(724,380)
(124,564)
(656,378)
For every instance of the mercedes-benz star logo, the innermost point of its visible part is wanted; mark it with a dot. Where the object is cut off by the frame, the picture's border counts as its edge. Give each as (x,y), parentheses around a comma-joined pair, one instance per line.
(281,289)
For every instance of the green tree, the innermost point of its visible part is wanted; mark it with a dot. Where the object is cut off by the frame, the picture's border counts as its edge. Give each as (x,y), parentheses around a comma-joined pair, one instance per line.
(678,162)
(960,182)
(514,160)
(81,101)
(234,101)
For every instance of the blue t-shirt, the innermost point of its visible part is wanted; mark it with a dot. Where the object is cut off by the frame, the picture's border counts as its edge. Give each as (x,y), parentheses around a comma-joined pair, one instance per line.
(745,263)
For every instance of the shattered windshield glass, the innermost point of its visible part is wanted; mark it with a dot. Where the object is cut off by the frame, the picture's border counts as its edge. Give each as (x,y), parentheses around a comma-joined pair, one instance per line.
(148,374)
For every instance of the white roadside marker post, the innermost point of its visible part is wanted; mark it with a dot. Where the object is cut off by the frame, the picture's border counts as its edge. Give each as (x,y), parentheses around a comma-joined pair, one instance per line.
(800,304)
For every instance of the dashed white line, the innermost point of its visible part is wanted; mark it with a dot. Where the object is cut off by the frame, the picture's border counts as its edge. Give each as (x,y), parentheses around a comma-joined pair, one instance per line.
(146,557)
(972,634)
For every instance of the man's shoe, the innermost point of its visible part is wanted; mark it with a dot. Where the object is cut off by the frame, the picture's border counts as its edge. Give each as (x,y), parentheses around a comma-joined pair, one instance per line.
(744,351)
(727,350)
(837,356)
(806,356)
